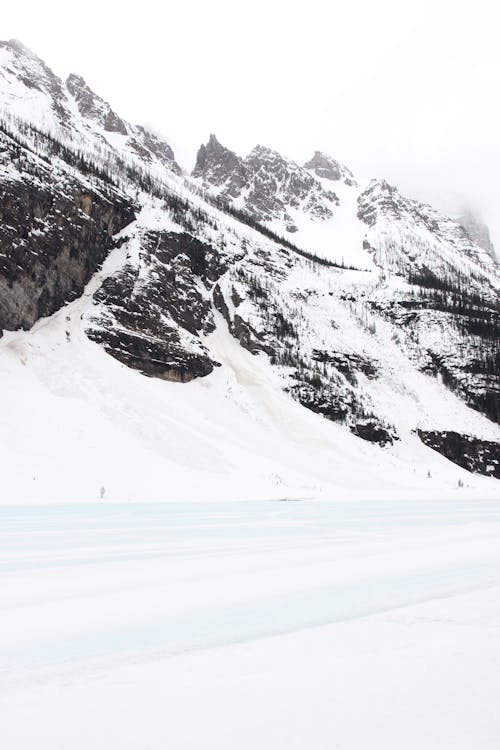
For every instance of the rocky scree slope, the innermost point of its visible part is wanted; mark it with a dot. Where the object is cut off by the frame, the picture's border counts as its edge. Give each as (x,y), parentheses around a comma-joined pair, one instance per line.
(406,345)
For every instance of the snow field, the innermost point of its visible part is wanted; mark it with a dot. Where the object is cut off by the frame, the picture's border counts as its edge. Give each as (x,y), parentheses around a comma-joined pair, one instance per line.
(273,625)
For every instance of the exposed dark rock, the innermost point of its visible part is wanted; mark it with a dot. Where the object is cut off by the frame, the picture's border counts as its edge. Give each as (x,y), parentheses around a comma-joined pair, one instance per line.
(248,337)
(470,367)
(332,406)
(374,432)
(25,71)
(220,304)
(340,404)
(54,234)
(477,456)
(218,166)
(278,183)
(159,355)
(348,363)
(235,297)
(145,143)
(140,309)
(60,210)
(153,144)
(382,201)
(327,168)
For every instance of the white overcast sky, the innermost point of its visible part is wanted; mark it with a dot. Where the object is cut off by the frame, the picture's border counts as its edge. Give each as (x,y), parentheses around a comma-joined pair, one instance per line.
(405,91)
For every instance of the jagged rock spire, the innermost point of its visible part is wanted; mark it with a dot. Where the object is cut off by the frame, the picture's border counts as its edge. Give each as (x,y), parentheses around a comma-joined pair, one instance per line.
(91,106)
(329,169)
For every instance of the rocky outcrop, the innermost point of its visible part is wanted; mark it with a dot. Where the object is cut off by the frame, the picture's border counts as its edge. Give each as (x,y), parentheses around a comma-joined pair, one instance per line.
(348,363)
(249,338)
(326,168)
(452,336)
(54,233)
(326,382)
(373,431)
(448,313)
(220,167)
(150,314)
(143,143)
(477,456)
(279,185)
(419,236)
(333,400)
(149,144)
(92,107)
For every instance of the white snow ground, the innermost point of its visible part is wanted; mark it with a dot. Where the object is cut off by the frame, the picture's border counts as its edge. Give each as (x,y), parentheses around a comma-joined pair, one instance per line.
(252,625)
(339,239)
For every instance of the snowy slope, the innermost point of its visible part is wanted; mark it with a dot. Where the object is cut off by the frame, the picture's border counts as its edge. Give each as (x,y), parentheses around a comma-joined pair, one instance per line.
(75,421)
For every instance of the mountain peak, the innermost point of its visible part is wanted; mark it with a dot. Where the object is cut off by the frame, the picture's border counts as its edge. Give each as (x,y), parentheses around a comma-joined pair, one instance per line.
(31,90)
(91,105)
(19,47)
(477,230)
(218,165)
(327,168)
(264,152)
(75,80)
(213,142)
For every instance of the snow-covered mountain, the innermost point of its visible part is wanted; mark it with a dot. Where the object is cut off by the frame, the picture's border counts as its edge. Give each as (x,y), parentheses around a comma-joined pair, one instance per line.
(268,186)
(477,230)
(305,332)
(71,111)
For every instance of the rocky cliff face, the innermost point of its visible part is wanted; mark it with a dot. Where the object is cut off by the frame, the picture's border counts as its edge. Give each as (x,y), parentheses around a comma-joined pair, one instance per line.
(219,167)
(479,456)
(151,313)
(403,344)
(55,231)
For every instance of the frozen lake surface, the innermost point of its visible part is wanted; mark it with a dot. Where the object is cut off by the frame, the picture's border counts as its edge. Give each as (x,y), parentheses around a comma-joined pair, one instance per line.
(82,582)
(89,592)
